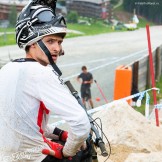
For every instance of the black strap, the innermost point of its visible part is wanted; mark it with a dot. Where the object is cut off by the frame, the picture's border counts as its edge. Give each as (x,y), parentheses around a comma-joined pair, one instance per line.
(48,54)
(24,60)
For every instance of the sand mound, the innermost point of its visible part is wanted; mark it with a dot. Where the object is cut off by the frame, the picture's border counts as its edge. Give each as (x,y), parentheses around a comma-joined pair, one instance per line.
(128,128)
(141,157)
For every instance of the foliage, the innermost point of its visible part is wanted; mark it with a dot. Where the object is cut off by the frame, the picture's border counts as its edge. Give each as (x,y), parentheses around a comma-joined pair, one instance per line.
(149,9)
(143,22)
(62,2)
(114,2)
(12,16)
(72,17)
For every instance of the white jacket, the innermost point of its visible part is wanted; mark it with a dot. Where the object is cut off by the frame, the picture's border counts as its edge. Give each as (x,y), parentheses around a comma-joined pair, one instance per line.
(23,86)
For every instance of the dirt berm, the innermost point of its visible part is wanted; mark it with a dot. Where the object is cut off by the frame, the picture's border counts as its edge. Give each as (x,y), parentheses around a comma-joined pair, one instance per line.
(132,137)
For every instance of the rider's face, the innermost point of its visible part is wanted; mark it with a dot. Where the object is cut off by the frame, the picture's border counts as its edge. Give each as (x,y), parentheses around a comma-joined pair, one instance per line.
(53,43)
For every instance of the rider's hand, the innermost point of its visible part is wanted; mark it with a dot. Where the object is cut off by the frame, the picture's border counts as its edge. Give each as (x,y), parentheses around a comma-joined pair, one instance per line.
(83,146)
(56,149)
(61,133)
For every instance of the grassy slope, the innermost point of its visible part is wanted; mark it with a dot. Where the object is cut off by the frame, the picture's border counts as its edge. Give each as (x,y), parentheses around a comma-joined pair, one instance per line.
(125,17)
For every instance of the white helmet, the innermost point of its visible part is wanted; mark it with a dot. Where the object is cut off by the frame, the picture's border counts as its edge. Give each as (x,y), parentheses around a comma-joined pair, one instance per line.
(36,21)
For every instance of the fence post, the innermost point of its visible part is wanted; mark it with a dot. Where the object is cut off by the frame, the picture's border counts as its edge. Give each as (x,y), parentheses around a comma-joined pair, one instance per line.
(135,80)
(158,64)
(135,74)
(148,76)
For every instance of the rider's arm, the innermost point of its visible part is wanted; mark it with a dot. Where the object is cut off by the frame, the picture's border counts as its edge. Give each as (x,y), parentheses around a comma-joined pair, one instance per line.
(59,100)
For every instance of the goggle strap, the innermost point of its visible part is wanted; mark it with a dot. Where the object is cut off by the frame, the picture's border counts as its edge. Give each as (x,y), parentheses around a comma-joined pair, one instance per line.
(47,52)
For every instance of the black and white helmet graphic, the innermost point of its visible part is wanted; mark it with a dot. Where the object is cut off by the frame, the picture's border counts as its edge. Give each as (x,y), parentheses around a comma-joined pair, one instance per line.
(36,21)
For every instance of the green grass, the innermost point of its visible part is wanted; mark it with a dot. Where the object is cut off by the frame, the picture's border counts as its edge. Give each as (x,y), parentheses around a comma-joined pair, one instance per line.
(7,39)
(93,29)
(7,30)
(120,8)
(143,22)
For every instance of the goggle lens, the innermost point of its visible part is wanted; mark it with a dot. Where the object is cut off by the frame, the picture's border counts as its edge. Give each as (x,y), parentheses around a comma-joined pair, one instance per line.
(45,16)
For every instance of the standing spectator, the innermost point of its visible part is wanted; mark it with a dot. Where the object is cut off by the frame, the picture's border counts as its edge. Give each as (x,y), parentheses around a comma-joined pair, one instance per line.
(86,79)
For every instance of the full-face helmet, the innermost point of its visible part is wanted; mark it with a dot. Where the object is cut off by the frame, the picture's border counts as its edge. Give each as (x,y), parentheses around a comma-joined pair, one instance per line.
(36,21)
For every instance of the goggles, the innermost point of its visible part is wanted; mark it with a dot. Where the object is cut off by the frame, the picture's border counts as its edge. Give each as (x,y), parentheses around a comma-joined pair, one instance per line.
(45,16)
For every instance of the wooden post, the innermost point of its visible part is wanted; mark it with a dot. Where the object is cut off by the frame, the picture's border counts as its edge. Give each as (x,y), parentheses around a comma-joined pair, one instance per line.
(148,76)
(135,80)
(135,74)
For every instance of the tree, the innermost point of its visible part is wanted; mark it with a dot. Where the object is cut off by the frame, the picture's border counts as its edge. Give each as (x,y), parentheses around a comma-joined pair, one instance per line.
(149,9)
(114,2)
(72,17)
(62,2)
(12,16)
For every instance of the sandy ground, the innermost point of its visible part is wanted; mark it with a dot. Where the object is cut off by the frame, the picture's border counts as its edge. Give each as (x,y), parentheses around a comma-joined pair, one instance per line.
(132,137)
(119,153)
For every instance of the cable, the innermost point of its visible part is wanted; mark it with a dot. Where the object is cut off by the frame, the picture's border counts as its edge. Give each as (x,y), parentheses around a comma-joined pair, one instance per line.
(102,133)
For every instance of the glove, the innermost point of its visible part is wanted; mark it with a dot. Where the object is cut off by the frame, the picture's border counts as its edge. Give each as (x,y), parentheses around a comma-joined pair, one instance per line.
(56,149)
(64,136)
(61,133)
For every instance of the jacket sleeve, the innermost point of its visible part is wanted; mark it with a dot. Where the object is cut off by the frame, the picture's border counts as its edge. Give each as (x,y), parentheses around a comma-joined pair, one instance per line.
(57,98)
(48,132)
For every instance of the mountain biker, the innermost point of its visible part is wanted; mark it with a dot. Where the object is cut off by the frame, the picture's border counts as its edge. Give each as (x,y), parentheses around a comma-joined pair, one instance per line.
(30,90)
